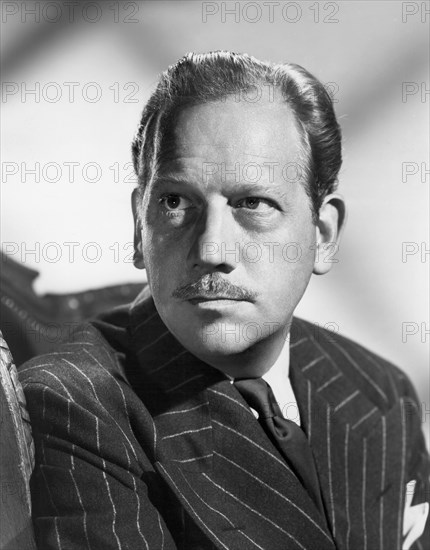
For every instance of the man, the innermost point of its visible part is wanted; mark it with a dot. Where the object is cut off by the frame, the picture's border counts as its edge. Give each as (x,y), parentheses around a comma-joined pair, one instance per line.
(145,424)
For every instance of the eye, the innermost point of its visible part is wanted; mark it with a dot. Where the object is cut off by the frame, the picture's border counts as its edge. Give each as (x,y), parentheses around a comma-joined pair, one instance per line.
(255,203)
(173,202)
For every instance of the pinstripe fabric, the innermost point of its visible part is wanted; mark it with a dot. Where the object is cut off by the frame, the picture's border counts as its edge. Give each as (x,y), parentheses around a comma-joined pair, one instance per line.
(141,445)
(366,438)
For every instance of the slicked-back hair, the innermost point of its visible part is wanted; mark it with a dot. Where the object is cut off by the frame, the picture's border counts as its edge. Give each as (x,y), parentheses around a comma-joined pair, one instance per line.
(214,76)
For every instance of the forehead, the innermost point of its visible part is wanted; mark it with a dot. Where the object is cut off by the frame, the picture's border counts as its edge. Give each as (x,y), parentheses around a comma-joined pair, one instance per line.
(229,132)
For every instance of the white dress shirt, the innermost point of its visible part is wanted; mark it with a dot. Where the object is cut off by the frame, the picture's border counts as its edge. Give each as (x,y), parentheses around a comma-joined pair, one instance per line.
(278,379)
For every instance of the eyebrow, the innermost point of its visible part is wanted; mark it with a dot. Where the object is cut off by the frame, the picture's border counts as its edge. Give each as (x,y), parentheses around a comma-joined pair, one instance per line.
(256,189)
(170,177)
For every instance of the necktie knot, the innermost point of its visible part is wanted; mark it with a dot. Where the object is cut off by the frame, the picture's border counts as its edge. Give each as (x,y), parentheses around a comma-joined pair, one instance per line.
(259,396)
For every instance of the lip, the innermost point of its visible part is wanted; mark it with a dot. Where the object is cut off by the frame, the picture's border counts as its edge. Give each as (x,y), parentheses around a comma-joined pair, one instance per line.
(214,301)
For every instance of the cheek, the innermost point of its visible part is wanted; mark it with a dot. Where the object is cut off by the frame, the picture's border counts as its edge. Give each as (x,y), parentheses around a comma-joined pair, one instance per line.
(291,248)
(286,280)
(299,254)
(163,260)
(289,268)
(286,266)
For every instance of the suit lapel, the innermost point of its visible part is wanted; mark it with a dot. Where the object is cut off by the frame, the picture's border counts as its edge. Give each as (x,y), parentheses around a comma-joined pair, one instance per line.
(171,383)
(240,491)
(356,444)
(213,454)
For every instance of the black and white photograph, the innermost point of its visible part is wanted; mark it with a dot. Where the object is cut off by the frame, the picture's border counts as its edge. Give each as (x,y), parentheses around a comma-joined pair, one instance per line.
(214,283)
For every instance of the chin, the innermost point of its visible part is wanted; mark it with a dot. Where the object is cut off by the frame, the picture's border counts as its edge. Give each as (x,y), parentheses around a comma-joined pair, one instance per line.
(217,349)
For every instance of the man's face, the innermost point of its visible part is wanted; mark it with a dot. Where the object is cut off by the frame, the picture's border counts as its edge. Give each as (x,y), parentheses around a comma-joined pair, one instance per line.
(227,234)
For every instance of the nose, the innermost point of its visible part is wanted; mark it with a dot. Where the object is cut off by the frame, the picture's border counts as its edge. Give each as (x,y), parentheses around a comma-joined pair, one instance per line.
(215,246)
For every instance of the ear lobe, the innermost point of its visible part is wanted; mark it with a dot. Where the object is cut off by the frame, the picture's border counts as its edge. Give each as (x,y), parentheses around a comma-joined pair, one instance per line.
(138,247)
(331,221)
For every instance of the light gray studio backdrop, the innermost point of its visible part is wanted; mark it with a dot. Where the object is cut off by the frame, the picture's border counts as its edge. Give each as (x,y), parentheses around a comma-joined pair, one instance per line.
(75,78)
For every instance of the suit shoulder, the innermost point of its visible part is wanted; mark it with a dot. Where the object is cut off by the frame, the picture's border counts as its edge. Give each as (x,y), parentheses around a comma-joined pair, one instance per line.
(368,370)
(86,357)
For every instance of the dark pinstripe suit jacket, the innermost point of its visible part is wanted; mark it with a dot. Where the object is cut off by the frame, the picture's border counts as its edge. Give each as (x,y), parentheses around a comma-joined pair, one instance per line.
(140,445)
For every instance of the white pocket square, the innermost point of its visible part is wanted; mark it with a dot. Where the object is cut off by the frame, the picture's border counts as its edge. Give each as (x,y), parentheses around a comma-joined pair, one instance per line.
(414,517)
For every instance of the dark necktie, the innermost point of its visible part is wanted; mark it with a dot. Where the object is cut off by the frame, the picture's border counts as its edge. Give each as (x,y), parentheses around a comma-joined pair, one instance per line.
(286,435)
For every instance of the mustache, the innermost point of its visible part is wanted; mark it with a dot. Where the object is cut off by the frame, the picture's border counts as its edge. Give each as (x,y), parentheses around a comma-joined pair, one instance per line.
(212,286)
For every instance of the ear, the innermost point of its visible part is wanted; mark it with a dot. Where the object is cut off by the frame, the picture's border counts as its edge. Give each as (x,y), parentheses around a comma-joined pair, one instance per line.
(138,251)
(331,221)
